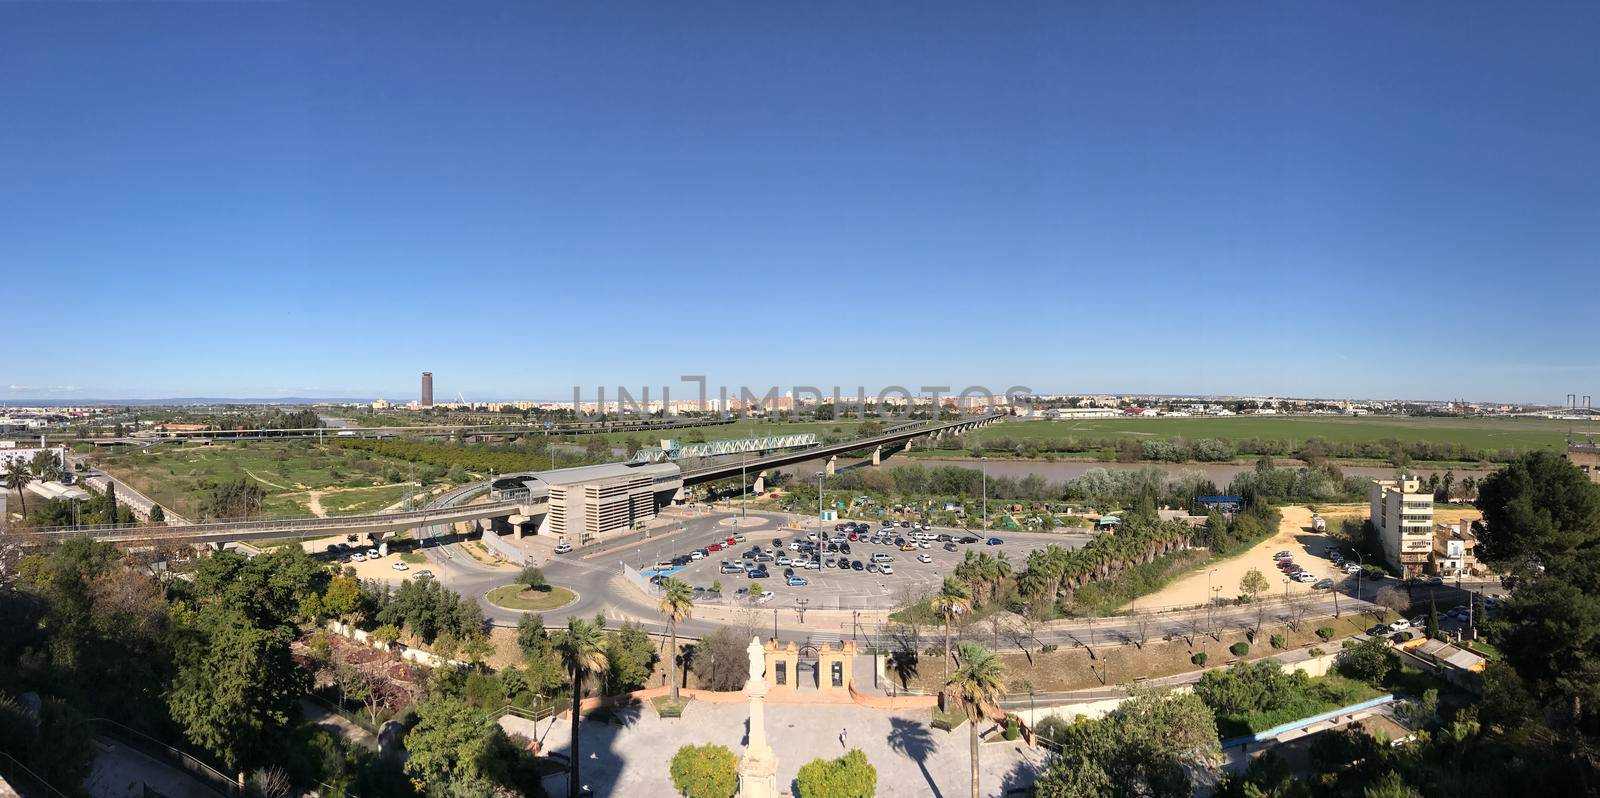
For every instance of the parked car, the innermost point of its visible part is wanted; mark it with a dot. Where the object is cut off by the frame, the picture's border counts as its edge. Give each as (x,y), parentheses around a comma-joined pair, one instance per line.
(1282,555)
(844,564)
(885,568)
(372,554)
(358,557)
(1352,568)
(698,554)
(881,557)
(1434,580)
(1400,625)
(923,558)
(1378,631)
(729,568)
(764,598)
(1305,576)
(424,574)
(757,573)
(995,541)
(563,547)
(1323,584)
(813,565)
(797,581)
(400,566)
(855,565)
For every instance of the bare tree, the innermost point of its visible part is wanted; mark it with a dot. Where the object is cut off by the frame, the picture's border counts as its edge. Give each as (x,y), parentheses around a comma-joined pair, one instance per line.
(1192,628)
(1141,626)
(273,782)
(1392,598)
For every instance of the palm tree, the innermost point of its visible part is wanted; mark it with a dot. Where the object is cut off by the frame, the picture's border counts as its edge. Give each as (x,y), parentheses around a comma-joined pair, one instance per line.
(979,684)
(951,600)
(582,649)
(677,599)
(17,478)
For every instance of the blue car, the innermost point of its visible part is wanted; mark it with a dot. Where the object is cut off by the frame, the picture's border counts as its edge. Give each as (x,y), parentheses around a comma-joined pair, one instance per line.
(757,573)
(995,541)
(798,581)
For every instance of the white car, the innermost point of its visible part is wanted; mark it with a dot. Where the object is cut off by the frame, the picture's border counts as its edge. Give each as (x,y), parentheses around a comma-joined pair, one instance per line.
(885,568)
(764,598)
(400,566)
(563,547)
(1400,625)
(697,555)
(372,554)
(1305,576)
(813,565)
(1352,568)
(358,557)
(923,558)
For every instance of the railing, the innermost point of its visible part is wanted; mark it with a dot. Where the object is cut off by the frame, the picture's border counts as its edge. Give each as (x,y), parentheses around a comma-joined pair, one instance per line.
(218,781)
(26,782)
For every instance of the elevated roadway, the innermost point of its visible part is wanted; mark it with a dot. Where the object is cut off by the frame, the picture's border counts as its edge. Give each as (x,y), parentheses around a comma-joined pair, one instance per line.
(386,523)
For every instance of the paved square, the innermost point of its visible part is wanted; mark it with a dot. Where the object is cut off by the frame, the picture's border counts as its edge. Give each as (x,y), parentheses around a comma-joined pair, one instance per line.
(913,759)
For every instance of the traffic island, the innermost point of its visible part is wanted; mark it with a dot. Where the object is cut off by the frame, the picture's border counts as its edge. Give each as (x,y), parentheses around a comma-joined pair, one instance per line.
(540,599)
(667,708)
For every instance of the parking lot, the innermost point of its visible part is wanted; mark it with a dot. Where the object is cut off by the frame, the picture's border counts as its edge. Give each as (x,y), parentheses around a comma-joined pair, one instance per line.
(835,587)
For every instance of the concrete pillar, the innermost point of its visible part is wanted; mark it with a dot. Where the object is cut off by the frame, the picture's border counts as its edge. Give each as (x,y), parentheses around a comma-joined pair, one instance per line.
(908,444)
(832,464)
(760,485)
(877,455)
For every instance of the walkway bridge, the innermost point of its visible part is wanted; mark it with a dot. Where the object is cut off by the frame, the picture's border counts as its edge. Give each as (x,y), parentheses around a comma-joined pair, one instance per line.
(677,450)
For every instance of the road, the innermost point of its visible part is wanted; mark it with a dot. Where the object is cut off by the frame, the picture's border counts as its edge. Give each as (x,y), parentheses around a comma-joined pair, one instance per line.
(596,578)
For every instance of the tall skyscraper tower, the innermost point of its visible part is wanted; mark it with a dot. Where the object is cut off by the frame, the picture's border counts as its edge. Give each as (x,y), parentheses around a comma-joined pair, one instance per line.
(427,389)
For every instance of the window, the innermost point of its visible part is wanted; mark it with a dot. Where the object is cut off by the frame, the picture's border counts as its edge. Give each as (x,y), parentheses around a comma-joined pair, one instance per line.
(838,673)
(782,673)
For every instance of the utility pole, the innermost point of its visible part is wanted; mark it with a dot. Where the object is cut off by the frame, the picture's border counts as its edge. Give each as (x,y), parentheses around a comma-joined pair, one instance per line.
(819,506)
(744,492)
(983,463)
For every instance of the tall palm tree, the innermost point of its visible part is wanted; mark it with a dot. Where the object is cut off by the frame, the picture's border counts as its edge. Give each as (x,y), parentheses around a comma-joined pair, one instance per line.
(677,600)
(951,600)
(17,478)
(582,648)
(979,684)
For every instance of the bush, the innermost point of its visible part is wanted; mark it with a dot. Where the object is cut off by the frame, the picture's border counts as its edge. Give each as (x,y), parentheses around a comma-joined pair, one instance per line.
(1047,648)
(1401,637)
(533,577)
(705,771)
(1278,641)
(1316,652)
(1325,632)
(1367,660)
(1012,732)
(849,776)
(1199,658)
(1239,649)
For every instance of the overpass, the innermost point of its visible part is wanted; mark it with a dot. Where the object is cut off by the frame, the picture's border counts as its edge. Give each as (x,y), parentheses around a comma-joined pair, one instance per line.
(518,510)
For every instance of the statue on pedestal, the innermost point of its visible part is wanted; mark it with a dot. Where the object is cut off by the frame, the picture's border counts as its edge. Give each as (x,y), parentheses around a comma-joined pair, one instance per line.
(758,768)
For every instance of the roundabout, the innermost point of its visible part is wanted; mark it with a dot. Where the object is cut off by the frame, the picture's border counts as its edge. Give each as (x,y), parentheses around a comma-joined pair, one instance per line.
(521,598)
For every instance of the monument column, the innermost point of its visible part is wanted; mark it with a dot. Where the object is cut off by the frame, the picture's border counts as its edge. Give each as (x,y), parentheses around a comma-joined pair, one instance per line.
(758,768)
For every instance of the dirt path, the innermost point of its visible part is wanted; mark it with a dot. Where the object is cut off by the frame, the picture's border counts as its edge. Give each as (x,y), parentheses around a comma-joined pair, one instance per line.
(315,503)
(1294,534)
(265,481)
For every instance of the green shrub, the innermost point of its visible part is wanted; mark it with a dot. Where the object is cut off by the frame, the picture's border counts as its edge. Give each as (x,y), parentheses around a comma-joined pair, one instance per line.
(1278,641)
(849,776)
(1047,648)
(1325,632)
(1012,732)
(705,771)
(1199,658)
(1239,649)
(1316,652)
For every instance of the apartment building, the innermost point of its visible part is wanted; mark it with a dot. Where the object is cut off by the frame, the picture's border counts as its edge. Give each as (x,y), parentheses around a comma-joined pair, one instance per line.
(1455,550)
(1402,512)
(1586,456)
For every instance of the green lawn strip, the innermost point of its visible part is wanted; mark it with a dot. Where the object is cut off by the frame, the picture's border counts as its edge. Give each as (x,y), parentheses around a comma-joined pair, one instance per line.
(518,597)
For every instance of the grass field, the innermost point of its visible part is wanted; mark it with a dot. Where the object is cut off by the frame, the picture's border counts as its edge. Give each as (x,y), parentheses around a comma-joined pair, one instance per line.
(517,597)
(287,470)
(1515,433)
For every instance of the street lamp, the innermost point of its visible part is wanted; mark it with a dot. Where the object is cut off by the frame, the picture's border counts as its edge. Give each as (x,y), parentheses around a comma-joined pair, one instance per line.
(983,464)
(1211,600)
(819,506)
(744,492)
(800,609)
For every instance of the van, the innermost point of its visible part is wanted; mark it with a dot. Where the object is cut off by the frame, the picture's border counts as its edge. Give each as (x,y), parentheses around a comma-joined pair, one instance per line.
(881,557)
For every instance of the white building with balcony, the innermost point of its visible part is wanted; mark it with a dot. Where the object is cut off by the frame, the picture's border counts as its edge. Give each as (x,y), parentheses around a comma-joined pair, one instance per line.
(1402,512)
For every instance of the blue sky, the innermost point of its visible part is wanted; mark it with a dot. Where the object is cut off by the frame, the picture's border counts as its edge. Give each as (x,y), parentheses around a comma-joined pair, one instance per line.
(268,199)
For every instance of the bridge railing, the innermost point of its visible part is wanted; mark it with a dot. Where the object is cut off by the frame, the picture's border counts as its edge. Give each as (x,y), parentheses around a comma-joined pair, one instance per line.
(844,446)
(294,524)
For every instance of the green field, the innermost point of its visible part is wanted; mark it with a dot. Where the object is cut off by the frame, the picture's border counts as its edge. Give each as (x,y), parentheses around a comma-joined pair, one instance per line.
(1499,433)
(518,597)
(174,476)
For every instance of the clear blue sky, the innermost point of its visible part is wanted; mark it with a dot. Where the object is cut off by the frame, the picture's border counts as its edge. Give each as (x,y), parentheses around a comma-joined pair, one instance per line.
(268,199)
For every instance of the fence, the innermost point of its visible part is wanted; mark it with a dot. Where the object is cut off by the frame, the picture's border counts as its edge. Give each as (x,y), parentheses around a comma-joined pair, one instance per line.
(27,783)
(219,782)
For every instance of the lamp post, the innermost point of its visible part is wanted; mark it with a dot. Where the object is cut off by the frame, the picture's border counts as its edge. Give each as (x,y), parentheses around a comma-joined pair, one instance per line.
(800,609)
(983,464)
(819,506)
(1361,560)
(1211,600)
(744,492)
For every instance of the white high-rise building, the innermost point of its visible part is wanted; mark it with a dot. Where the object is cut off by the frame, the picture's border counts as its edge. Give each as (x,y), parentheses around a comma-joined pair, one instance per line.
(1403,515)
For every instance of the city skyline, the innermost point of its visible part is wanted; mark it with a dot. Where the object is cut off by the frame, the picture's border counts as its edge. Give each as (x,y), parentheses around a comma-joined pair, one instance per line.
(1179,202)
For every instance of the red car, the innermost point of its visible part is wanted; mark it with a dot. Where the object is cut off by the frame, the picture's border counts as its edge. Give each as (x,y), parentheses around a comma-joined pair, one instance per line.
(714,547)
(851,536)
(729,542)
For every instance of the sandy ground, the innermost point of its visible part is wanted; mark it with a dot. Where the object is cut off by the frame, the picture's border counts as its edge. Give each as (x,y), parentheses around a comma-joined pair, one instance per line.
(1294,534)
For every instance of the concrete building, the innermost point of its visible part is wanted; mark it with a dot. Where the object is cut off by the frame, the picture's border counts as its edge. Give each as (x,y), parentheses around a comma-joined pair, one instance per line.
(427,389)
(12,455)
(588,503)
(1586,456)
(1402,512)
(1455,550)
